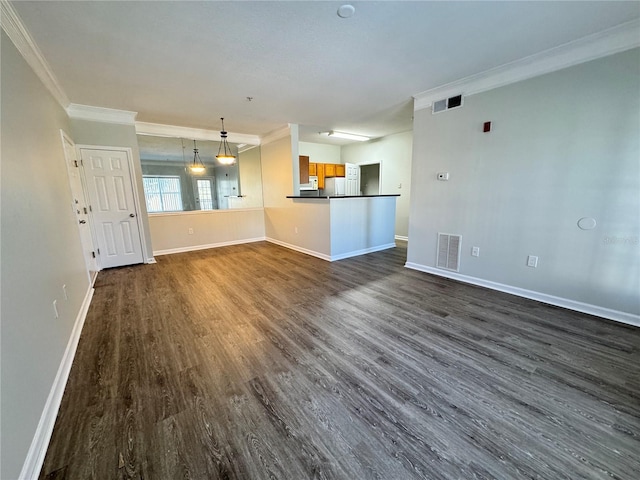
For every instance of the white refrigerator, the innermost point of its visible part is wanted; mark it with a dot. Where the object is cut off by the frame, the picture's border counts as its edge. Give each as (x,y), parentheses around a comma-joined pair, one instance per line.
(334,186)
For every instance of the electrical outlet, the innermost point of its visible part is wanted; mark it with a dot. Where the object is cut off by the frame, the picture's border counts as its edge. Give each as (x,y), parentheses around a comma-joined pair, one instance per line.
(64,291)
(295,229)
(475,251)
(55,309)
(532,261)
(190,231)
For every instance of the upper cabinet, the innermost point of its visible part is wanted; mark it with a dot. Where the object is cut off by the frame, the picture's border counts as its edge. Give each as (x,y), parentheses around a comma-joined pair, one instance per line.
(329,169)
(320,174)
(324,170)
(304,169)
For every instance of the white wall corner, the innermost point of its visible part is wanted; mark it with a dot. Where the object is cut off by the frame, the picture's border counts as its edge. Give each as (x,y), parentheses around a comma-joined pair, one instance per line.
(618,316)
(35,456)
(26,45)
(275,135)
(161,130)
(608,42)
(101,114)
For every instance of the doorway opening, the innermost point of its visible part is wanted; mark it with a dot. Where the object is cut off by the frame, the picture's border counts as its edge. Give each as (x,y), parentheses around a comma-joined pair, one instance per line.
(370,179)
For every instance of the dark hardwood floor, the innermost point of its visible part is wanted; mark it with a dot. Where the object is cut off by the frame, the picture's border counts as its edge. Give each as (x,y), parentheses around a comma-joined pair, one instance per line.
(257,362)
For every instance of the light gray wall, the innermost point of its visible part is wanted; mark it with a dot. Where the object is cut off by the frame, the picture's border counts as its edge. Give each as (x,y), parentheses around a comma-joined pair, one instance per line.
(41,251)
(320,152)
(211,228)
(102,134)
(355,229)
(250,179)
(563,146)
(394,155)
(303,224)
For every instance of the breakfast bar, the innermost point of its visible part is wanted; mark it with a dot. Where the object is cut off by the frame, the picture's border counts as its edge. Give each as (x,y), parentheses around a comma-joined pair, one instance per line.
(356,224)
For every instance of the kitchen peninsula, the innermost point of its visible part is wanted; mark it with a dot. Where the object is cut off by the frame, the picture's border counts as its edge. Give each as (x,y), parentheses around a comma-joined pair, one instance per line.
(353,225)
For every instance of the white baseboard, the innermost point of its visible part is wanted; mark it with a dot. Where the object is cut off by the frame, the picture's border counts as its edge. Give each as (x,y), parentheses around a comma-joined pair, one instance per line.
(193,248)
(290,246)
(331,258)
(402,237)
(364,251)
(40,443)
(618,316)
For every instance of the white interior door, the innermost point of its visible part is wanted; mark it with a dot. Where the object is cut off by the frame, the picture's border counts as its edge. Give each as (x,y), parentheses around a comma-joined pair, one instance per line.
(110,187)
(352,179)
(80,206)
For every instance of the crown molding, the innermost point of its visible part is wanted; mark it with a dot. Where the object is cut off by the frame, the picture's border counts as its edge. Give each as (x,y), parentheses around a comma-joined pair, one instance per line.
(101,114)
(277,134)
(608,42)
(26,45)
(161,130)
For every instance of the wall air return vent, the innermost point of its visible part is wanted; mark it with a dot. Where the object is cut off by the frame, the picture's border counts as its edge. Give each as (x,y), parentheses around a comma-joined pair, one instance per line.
(447,104)
(449,251)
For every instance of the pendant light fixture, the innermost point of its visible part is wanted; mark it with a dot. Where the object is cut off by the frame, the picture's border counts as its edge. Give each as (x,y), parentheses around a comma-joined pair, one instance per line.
(226,157)
(197,166)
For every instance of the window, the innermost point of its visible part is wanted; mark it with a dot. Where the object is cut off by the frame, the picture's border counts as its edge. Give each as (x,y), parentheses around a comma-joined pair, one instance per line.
(205,193)
(162,193)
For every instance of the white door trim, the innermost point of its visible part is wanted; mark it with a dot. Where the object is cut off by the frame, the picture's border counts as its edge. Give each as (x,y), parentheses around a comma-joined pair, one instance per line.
(375,162)
(136,193)
(66,138)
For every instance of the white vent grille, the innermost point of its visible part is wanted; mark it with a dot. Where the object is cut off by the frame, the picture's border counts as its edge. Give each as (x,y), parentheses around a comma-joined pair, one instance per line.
(447,104)
(449,251)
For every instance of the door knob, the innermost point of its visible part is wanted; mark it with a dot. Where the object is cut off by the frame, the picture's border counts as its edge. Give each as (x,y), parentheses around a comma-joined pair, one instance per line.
(131,215)
(83,222)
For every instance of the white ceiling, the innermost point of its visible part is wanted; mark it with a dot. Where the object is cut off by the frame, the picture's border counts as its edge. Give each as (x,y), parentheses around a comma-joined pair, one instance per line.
(190,63)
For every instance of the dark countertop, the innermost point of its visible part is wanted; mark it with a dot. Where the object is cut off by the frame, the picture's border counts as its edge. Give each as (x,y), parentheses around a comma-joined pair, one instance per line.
(325,197)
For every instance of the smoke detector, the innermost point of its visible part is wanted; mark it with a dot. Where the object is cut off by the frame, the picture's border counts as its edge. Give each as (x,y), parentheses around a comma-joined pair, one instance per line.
(346,10)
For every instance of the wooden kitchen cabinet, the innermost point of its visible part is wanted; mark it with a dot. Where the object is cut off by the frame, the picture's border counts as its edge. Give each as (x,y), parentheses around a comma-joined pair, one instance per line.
(329,169)
(320,174)
(312,169)
(304,168)
(340,171)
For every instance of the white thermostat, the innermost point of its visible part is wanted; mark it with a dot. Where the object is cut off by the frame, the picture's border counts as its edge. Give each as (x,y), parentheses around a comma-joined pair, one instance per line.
(444,176)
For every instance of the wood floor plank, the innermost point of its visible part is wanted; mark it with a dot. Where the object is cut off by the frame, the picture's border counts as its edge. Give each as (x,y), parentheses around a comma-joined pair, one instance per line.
(257,362)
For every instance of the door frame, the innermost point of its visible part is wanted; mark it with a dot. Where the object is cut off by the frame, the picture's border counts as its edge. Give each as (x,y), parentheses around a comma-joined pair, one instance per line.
(136,185)
(65,137)
(375,162)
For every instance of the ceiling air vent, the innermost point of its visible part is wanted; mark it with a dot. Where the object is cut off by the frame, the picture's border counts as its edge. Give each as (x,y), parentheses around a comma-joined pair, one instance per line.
(447,104)
(449,251)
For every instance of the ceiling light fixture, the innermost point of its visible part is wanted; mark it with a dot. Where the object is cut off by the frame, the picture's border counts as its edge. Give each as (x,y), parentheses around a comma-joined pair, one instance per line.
(348,136)
(227,157)
(197,166)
